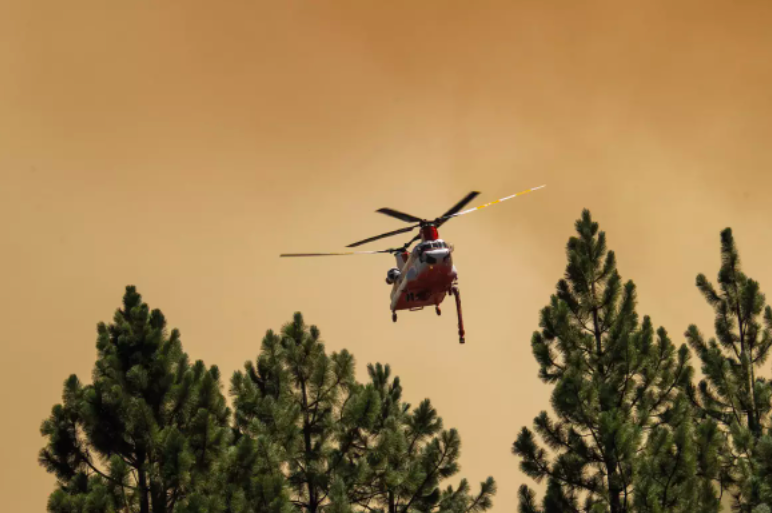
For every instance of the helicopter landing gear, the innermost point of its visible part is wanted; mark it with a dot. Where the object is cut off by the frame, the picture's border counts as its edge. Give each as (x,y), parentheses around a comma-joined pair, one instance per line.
(454,290)
(437,309)
(394,316)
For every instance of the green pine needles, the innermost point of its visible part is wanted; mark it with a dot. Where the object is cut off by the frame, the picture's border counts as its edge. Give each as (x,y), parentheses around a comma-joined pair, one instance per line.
(147,434)
(624,437)
(732,394)
(347,446)
(152,433)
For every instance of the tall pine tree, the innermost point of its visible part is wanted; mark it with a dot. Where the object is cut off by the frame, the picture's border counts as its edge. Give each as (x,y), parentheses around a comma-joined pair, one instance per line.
(624,438)
(732,394)
(346,446)
(147,433)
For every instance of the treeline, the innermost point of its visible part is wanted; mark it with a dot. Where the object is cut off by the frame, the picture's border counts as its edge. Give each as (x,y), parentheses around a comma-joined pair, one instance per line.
(631,431)
(153,432)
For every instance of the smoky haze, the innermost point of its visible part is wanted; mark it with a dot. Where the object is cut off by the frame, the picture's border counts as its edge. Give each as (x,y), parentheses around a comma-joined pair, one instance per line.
(181,146)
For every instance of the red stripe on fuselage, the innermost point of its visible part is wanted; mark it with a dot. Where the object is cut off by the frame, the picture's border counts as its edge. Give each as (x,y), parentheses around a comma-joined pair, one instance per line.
(429,288)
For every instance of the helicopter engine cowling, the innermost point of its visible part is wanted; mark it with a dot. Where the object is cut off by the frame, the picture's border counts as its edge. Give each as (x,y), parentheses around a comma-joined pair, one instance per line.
(392,275)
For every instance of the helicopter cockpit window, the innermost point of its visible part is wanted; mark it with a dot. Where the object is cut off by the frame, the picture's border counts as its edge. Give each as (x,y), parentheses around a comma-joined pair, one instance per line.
(427,246)
(430,245)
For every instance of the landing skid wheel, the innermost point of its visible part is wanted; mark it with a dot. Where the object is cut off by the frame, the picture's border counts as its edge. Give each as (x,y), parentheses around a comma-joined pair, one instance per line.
(437,309)
(394,316)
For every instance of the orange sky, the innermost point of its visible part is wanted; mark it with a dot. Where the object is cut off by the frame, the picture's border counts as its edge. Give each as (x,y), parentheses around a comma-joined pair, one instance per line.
(182,145)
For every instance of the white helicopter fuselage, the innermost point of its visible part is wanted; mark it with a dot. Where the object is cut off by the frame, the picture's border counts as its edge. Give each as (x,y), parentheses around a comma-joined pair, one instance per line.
(425,278)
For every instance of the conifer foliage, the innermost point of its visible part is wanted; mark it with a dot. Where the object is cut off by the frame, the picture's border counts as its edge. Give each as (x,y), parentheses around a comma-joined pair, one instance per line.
(153,433)
(624,438)
(147,433)
(347,446)
(732,394)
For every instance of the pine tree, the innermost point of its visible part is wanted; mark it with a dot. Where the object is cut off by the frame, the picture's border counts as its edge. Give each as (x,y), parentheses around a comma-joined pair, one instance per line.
(624,439)
(342,445)
(148,432)
(677,463)
(251,479)
(732,394)
(411,454)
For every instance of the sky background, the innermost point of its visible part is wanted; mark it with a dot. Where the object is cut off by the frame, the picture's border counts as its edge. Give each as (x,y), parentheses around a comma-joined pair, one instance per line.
(180,146)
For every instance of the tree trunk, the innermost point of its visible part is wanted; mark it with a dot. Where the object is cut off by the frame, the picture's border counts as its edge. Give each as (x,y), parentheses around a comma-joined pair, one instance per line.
(144,499)
(312,498)
(158,496)
(614,489)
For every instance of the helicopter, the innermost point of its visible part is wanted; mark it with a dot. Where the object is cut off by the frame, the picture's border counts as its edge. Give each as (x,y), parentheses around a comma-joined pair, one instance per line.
(425,275)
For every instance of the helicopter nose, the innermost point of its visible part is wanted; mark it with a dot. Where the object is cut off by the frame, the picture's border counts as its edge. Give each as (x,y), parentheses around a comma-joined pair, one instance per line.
(436,256)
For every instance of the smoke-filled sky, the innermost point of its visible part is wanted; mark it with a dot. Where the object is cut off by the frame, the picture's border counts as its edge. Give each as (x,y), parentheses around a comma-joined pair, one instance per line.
(182,145)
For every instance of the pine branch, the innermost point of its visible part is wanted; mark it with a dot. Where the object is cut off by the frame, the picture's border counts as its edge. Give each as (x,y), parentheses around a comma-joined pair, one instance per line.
(349,442)
(682,367)
(105,476)
(731,400)
(486,490)
(85,456)
(428,477)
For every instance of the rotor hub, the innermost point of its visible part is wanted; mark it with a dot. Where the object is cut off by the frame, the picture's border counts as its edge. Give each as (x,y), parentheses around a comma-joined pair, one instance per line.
(429,233)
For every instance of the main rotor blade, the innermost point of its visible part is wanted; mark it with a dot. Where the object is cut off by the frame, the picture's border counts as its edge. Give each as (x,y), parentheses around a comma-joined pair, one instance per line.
(334,254)
(458,206)
(446,217)
(383,236)
(399,215)
(412,240)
